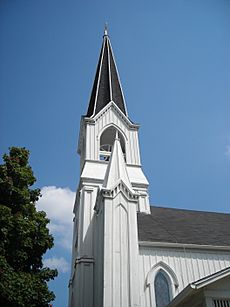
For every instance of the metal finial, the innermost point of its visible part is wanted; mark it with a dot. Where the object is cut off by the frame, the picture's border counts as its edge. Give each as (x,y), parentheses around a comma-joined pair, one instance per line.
(106,29)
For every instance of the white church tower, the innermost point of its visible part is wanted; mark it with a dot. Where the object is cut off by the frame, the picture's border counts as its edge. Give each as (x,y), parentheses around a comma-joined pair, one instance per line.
(112,189)
(127,253)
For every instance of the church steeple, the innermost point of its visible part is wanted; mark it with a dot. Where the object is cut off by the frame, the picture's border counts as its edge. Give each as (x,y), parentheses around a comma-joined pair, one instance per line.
(106,86)
(112,189)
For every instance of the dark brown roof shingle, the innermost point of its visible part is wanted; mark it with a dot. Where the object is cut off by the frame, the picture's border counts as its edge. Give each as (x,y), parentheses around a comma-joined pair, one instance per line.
(184,226)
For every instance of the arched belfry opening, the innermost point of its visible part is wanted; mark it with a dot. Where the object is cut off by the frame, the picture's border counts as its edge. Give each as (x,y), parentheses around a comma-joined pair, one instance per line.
(106,143)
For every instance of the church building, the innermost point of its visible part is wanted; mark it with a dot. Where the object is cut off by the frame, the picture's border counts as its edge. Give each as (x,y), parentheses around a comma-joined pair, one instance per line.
(127,253)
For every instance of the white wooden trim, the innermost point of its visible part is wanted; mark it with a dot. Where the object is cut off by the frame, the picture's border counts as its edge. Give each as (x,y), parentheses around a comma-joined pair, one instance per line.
(180,245)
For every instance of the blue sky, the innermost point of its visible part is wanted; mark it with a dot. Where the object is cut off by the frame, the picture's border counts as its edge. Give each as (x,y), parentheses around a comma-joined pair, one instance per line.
(174,64)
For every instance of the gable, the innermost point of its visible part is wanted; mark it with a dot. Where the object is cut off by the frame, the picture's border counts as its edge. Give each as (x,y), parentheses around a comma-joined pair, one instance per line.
(212,290)
(112,114)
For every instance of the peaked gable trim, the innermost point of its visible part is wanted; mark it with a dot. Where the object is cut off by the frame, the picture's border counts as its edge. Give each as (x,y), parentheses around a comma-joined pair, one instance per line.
(164,267)
(112,105)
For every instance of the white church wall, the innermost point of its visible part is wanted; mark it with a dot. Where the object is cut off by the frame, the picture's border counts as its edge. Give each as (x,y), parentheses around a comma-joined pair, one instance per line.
(188,265)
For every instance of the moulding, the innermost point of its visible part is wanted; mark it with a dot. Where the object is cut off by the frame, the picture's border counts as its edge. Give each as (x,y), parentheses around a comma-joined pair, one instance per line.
(182,246)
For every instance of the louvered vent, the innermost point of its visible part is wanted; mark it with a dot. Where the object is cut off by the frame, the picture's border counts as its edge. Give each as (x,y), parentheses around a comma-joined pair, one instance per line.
(222,303)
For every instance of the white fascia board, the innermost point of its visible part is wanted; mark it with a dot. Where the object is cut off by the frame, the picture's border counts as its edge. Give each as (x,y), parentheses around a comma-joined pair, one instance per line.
(180,245)
(211,279)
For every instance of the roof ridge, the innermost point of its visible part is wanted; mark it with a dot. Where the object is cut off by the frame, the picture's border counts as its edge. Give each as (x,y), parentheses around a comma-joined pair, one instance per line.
(190,210)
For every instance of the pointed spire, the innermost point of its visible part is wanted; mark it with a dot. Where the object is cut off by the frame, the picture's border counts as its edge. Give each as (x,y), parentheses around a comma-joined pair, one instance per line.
(116,170)
(106,86)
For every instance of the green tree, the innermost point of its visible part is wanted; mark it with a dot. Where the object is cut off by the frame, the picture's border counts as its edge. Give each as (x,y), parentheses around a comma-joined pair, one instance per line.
(24,236)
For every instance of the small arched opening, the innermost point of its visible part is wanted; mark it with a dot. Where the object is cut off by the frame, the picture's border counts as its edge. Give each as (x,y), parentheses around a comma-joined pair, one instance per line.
(106,143)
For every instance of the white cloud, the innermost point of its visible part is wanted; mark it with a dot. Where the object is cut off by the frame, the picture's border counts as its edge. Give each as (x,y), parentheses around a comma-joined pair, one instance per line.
(57,263)
(58,204)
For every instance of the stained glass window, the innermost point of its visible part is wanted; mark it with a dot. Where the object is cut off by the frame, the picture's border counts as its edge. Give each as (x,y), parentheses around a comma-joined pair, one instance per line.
(161,287)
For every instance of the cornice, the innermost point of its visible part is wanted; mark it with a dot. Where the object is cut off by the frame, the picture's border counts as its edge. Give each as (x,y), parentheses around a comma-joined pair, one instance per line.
(183,246)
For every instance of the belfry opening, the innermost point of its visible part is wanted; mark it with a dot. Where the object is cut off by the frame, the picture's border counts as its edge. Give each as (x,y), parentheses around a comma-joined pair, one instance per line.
(106,143)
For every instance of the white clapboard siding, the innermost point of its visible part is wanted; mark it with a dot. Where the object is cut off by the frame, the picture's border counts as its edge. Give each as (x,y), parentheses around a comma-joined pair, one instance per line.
(189,265)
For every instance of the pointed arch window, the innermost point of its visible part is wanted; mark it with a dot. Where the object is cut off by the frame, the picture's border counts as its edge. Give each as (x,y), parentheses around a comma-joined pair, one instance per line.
(106,143)
(163,284)
(162,289)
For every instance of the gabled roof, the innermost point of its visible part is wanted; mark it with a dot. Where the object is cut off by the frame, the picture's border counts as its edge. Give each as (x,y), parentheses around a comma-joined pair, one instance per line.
(106,86)
(207,280)
(184,227)
(196,286)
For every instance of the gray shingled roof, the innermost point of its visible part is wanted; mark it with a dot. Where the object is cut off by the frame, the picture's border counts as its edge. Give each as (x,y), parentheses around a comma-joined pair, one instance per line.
(106,85)
(184,226)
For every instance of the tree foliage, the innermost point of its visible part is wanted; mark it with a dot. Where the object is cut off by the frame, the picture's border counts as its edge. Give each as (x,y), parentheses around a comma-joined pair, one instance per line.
(24,236)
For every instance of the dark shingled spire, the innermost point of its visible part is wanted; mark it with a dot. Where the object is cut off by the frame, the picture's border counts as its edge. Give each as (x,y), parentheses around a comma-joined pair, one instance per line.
(106,86)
